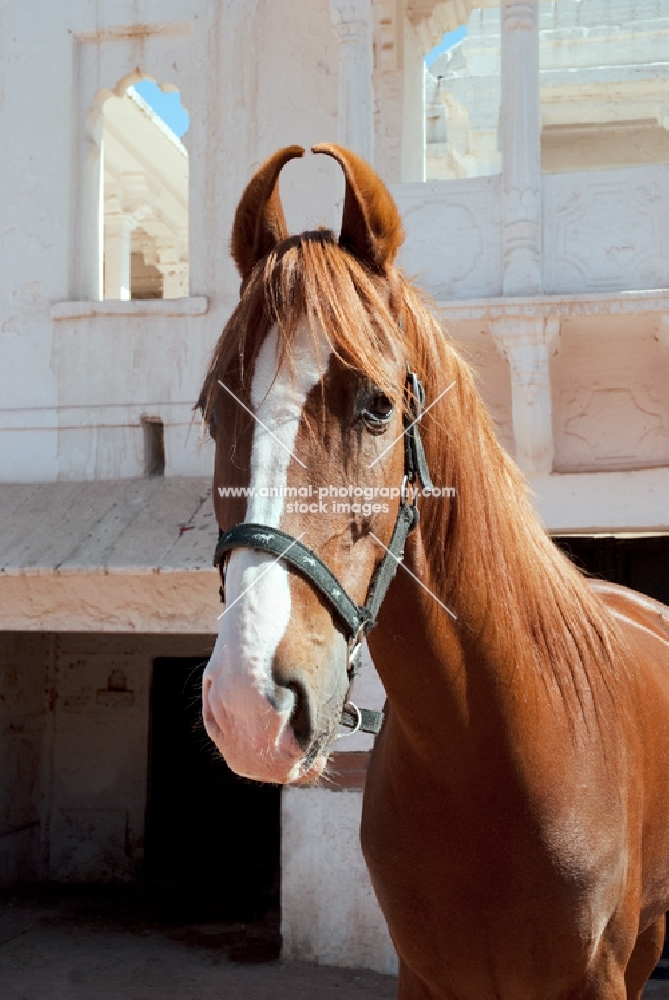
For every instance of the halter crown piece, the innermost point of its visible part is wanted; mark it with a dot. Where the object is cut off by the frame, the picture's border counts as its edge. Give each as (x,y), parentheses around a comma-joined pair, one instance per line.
(356,620)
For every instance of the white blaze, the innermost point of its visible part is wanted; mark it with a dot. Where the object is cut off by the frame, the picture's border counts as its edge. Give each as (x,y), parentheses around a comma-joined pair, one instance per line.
(250,632)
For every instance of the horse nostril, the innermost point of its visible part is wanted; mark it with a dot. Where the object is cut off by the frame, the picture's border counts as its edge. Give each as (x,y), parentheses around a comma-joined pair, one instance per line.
(282,698)
(301,718)
(292,697)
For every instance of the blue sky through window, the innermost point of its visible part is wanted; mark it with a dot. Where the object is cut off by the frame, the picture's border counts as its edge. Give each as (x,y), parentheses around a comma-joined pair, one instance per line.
(450,39)
(166,106)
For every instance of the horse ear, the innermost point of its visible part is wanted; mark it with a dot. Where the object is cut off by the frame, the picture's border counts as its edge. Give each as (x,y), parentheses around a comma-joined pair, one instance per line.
(371,228)
(259,220)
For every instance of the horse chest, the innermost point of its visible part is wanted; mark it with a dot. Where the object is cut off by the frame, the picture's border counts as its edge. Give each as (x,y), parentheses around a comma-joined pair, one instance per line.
(469,881)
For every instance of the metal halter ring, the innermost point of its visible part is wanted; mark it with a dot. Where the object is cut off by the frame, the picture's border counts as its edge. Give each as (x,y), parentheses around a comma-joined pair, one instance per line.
(352,708)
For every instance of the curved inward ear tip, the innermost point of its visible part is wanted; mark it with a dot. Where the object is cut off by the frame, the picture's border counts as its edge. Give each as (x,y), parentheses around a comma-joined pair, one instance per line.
(371,228)
(291,151)
(259,222)
(340,153)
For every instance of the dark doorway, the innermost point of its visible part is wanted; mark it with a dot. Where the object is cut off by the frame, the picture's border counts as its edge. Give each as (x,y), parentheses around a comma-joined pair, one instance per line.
(639,563)
(207,830)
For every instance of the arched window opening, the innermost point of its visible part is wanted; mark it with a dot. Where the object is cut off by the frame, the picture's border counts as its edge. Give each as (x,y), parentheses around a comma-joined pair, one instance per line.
(145,195)
(462,100)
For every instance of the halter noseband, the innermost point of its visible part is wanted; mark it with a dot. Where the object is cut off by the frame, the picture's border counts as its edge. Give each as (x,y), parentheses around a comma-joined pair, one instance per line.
(356,620)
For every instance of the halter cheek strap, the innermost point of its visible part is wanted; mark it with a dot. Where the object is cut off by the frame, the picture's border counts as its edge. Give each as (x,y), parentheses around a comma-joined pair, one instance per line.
(283,546)
(415,463)
(356,620)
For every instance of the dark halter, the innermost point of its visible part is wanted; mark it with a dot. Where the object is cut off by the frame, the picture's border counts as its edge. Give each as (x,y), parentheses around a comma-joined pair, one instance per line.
(356,621)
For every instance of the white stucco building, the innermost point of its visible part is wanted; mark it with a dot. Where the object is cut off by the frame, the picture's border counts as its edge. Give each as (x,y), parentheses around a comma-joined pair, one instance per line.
(546,246)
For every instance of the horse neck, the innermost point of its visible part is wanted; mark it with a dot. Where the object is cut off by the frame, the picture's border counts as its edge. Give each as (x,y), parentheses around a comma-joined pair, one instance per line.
(531,645)
(453,690)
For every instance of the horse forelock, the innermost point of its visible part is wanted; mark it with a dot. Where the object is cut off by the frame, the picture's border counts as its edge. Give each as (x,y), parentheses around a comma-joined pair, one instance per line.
(311,276)
(490,556)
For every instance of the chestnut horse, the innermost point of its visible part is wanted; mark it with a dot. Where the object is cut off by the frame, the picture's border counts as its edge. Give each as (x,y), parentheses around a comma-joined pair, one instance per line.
(516,812)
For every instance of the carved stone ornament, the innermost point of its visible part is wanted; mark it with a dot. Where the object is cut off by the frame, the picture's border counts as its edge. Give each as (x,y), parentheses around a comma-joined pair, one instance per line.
(349,12)
(519,15)
(528,345)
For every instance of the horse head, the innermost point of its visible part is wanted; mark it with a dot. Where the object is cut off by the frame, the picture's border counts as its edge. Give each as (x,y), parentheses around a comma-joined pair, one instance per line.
(305,398)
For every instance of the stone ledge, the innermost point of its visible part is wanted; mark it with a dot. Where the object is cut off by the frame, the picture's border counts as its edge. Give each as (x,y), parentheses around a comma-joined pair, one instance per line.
(603,502)
(184,602)
(557,306)
(194,306)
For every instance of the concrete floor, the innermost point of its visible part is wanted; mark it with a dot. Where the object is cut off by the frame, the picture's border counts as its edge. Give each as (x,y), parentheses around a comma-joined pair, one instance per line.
(79,946)
(86,945)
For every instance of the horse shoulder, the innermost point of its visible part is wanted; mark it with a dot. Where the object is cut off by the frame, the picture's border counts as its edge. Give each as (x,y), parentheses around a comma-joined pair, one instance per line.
(635,611)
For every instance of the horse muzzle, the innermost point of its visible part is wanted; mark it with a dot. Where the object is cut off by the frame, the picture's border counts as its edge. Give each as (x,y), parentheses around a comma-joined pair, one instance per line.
(266,735)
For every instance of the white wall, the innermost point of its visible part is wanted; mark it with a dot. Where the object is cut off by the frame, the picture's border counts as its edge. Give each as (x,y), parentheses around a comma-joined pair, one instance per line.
(611,403)
(453,236)
(247,76)
(603,85)
(329,911)
(606,230)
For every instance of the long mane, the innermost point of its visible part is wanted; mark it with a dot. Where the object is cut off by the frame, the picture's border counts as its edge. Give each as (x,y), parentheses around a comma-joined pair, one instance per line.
(490,558)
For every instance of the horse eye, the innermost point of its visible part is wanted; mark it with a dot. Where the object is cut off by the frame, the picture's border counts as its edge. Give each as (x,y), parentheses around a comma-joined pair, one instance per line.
(379,409)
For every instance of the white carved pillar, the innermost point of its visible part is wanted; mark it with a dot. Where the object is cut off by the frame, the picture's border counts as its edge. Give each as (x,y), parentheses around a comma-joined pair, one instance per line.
(413,107)
(117,245)
(520,128)
(528,345)
(89,256)
(128,203)
(352,20)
